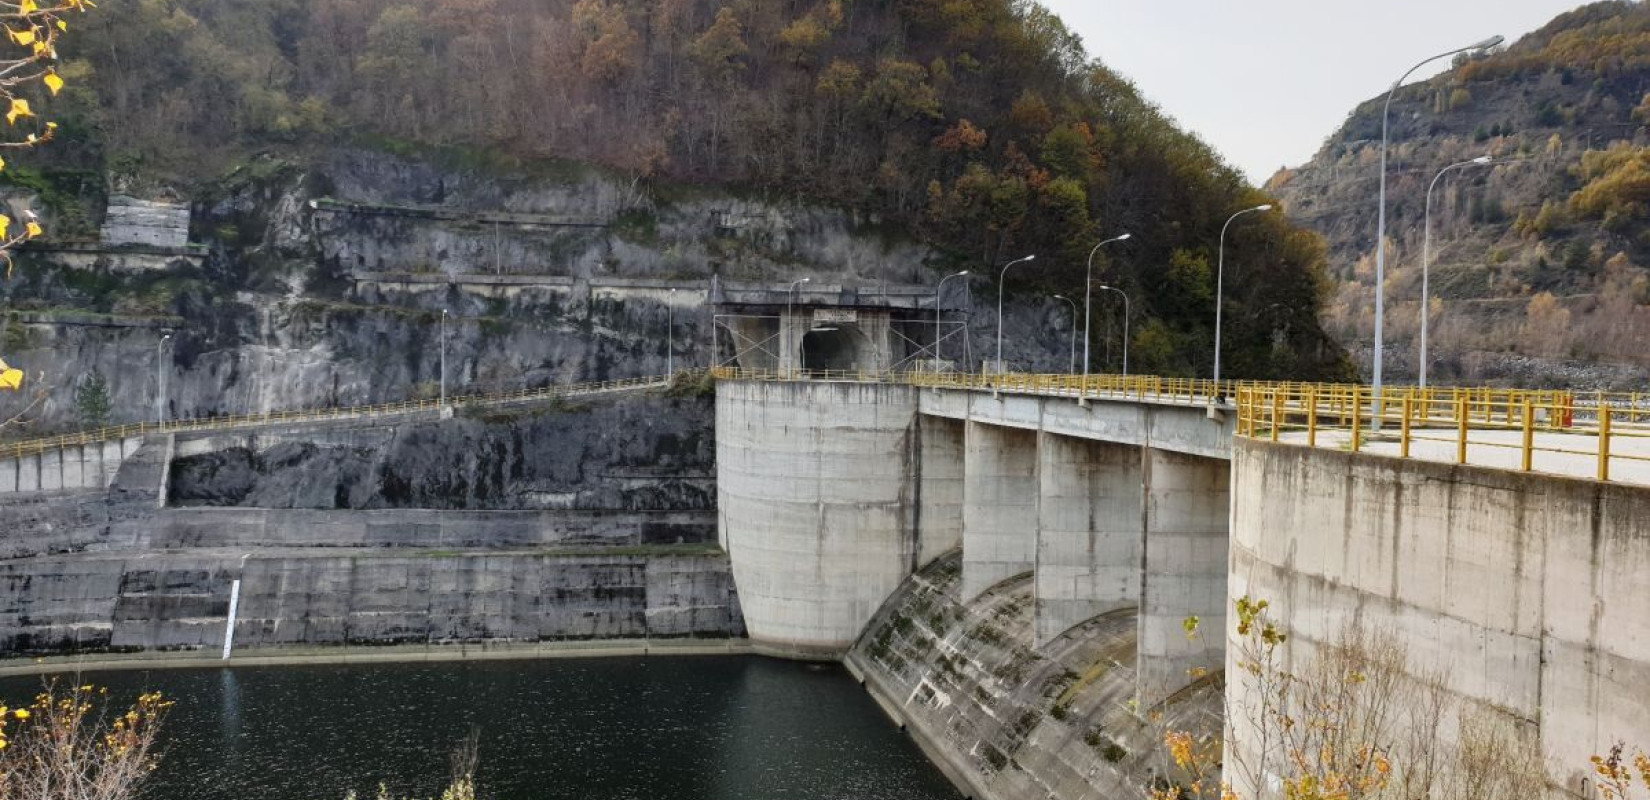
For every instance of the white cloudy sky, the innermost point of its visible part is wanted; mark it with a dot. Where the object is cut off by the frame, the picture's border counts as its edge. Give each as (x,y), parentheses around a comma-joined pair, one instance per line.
(1266,81)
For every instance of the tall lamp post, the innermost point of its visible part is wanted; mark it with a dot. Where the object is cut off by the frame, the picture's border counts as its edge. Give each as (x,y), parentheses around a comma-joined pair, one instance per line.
(443,402)
(670,335)
(937,289)
(1426,258)
(1126,316)
(1380,228)
(1088,294)
(160,380)
(790,303)
(1071,369)
(1220,285)
(1000,278)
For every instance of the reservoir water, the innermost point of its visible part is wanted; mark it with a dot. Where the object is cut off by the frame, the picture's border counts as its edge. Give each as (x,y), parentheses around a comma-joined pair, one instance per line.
(714,728)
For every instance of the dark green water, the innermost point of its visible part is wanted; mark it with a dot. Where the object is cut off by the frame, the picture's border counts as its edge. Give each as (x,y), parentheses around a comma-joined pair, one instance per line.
(599,729)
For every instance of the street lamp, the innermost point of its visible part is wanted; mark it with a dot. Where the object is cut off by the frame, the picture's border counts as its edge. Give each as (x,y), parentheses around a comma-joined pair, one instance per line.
(1380,228)
(1426,258)
(790,302)
(937,289)
(670,335)
(1220,284)
(443,403)
(1126,315)
(160,381)
(1071,368)
(1088,294)
(1000,278)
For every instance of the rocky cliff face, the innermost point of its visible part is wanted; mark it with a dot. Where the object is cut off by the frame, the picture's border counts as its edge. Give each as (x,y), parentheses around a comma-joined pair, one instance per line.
(1008,720)
(325,285)
(1538,259)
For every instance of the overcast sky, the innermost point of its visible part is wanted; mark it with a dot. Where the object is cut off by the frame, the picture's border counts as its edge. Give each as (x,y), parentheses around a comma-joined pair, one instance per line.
(1267,81)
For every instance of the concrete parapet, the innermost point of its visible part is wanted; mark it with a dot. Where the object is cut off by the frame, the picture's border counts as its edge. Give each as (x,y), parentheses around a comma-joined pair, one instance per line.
(1188,503)
(1000,507)
(816,489)
(1525,592)
(1089,532)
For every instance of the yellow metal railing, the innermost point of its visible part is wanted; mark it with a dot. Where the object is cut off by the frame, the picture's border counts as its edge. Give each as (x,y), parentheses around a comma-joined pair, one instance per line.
(30,447)
(1602,428)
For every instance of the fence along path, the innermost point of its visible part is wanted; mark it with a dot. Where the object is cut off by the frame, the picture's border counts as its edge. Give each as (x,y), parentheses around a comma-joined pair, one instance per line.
(29,447)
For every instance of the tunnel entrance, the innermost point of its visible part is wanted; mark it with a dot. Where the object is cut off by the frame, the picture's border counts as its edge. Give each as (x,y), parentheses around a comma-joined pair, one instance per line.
(834,348)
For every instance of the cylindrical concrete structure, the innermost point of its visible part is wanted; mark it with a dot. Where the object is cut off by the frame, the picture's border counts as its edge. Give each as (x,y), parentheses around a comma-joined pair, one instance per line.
(1525,593)
(816,486)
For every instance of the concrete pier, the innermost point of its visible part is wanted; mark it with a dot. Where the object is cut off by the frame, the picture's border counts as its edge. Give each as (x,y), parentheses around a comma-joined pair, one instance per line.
(1089,532)
(1000,507)
(1188,499)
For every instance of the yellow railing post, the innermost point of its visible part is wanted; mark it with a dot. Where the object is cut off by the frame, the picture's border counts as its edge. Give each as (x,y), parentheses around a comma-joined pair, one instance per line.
(1277,413)
(1603,442)
(1311,419)
(1357,418)
(1462,415)
(1529,435)
(1403,437)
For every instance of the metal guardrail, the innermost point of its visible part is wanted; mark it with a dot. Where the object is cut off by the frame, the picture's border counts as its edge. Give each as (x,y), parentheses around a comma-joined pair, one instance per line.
(1593,424)
(29,447)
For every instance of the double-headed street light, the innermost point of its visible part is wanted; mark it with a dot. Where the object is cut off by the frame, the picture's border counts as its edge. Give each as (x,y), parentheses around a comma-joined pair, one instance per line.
(1426,258)
(1126,315)
(1380,228)
(937,289)
(1000,279)
(1071,369)
(160,380)
(1088,294)
(1220,285)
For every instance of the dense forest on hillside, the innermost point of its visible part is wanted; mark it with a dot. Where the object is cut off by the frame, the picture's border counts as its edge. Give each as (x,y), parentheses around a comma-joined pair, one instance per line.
(1539,260)
(981,125)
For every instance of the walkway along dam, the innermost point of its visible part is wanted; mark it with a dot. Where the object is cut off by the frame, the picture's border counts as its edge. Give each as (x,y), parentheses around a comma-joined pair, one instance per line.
(1006,562)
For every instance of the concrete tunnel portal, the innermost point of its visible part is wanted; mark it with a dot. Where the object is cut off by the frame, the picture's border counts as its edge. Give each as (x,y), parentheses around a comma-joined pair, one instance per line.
(833,348)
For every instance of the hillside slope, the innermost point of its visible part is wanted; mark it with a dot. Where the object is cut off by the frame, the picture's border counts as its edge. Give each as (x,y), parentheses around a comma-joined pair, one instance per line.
(1539,260)
(975,127)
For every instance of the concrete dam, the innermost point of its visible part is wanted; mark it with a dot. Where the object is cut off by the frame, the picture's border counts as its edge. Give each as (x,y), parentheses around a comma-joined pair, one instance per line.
(1007,563)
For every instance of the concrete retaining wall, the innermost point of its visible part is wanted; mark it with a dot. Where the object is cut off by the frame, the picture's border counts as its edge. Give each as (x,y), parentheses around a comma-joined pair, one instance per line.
(89,466)
(1528,591)
(121,603)
(816,493)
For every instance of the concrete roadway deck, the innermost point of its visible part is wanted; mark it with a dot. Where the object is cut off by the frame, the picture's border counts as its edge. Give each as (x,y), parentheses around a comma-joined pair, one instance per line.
(1572,455)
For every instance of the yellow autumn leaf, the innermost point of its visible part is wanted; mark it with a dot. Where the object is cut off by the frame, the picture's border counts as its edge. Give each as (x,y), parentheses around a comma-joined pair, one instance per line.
(27,6)
(19,108)
(53,82)
(24,38)
(5,223)
(62,26)
(10,379)
(2,165)
(34,229)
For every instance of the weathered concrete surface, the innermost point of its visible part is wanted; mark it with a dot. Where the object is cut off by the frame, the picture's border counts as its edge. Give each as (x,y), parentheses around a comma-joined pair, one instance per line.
(999,506)
(622,550)
(940,496)
(816,495)
(1005,719)
(1528,591)
(1188,501)
(87,466)
(129,602)
(129,221)
(1089,531)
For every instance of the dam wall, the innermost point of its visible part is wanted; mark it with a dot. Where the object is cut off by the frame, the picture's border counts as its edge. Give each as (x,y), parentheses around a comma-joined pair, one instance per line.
(1006,717)
(1526,593)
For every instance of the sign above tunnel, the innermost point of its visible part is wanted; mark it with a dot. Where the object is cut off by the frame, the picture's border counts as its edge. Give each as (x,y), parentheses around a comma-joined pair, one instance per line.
(835,316)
